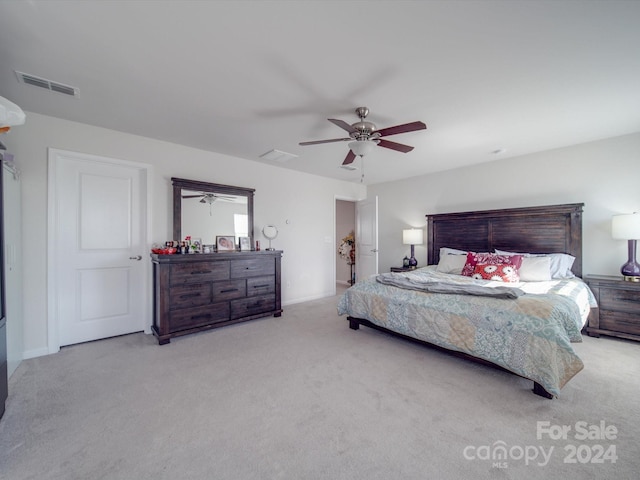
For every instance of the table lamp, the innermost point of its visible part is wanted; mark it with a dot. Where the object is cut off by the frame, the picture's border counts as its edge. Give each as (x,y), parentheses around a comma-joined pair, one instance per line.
(627,227)
(413,237)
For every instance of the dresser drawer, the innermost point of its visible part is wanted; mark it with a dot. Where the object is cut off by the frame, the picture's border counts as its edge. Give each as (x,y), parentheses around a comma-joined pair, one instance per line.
(190,295)
(229,290)
(620,300)
(198,316)
(620,321)
(199,272)
(252,267)
(261,285)
(253,306)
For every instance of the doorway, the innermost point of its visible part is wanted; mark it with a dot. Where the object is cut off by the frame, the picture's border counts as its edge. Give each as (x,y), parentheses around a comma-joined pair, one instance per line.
(345,227)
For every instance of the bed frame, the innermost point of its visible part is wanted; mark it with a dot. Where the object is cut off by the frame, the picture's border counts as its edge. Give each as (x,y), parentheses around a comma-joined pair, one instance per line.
(545,229)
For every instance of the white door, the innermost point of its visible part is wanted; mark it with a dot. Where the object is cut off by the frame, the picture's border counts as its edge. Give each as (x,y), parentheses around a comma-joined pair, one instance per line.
(366,238)
(98,243)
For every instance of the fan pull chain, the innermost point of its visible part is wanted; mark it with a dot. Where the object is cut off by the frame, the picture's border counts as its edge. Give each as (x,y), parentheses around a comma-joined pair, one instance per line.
(362,169)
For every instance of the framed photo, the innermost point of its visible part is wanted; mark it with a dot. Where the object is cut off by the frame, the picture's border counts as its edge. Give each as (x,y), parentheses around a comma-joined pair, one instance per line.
(226,243)
(195,245)
(245,244)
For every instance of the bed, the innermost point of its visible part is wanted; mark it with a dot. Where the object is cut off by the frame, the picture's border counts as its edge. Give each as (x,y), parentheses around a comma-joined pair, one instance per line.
(525,328)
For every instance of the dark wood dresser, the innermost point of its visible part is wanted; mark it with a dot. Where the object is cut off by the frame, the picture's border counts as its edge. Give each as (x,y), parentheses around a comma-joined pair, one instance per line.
(618,312)
(197,292)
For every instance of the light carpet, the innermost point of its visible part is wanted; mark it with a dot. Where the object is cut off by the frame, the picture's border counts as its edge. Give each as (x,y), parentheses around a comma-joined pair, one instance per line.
(304,397)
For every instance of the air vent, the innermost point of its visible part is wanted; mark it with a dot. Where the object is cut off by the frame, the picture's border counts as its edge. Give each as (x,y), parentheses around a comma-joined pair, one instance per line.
(278,156)
(47,84)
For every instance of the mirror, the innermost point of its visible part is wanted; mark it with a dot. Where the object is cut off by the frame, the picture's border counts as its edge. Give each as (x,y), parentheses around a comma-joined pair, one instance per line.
(270,232)
(205,210)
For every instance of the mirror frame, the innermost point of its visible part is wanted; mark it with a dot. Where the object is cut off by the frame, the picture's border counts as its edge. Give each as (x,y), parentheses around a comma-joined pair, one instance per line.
(180,183)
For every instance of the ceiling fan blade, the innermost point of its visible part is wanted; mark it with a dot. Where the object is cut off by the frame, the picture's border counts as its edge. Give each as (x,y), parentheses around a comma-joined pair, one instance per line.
(316,142)
(342,124)
(191,196)
(407,127)
(395,146)
(349,158)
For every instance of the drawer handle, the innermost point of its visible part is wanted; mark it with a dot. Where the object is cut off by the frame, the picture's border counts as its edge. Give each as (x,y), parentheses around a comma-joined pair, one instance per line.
(190,295)
(200,272)
(262,286)
(196,317)
(229,290)
(255,305)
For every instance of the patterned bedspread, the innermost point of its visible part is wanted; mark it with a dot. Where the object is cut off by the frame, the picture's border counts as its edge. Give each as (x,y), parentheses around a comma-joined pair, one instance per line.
(530,336)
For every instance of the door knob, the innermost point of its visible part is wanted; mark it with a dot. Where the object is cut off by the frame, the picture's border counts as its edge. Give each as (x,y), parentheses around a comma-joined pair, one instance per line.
(138,257)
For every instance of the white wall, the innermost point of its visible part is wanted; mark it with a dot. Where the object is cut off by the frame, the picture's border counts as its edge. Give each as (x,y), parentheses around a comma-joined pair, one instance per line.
(306,227)
(603,175)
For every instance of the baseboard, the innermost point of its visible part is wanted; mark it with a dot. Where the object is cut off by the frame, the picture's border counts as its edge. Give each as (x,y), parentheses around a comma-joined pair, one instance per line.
(38,352)
(308,299)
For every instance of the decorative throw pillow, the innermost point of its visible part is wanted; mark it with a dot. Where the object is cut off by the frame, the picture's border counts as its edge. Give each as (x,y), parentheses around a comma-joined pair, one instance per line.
(474,259)
(498,272)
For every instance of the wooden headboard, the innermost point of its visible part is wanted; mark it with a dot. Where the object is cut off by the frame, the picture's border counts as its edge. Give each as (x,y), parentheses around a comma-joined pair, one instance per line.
(546,229)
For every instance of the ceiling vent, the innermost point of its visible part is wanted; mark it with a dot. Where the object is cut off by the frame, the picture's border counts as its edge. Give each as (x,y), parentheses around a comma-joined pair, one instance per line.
(278,156)
(47,84)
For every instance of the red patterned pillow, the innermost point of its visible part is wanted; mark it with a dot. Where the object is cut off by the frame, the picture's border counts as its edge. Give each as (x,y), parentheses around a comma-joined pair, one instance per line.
(498,272)
(474,259)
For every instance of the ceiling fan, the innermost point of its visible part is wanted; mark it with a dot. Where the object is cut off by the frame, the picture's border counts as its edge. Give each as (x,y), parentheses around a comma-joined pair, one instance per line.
(364,136)
(207,197)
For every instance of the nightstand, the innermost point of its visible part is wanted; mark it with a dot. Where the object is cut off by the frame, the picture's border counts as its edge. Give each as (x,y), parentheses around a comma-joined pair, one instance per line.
(618,312)
(401,269)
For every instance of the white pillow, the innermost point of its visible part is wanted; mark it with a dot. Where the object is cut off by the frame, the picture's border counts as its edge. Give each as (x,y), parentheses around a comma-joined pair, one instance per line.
(451,263)
(535,269)
(451,251)
(561,263)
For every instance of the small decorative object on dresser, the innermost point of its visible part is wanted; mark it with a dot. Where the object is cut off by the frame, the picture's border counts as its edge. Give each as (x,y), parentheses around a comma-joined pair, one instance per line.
(270,232)
(195,245)
(245,244)
(226,243)
(618,312)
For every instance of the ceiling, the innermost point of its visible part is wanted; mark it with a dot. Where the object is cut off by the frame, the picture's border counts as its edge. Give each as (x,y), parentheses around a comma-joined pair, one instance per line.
(245,77)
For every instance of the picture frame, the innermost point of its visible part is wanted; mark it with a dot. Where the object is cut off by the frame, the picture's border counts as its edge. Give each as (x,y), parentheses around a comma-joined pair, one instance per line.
(226,243)
(245,244)
(195,245)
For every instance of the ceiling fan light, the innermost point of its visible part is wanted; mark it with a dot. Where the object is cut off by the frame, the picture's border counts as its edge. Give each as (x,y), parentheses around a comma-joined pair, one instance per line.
(362,147)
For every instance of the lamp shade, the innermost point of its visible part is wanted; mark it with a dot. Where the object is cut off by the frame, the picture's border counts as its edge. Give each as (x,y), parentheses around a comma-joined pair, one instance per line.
(10,114)
(626,227)
(412,236)
(362,147)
